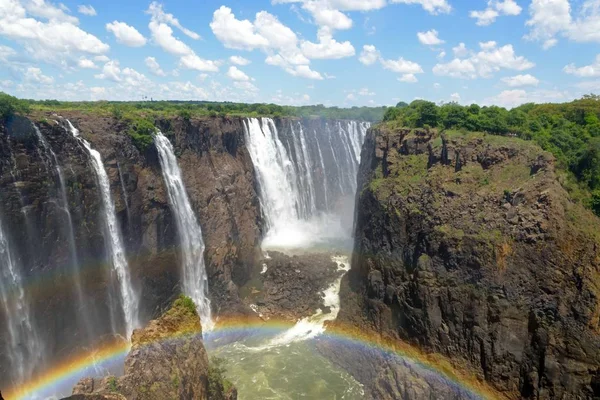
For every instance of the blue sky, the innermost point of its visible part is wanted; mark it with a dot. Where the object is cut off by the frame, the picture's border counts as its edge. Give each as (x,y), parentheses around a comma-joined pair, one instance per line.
(333,52)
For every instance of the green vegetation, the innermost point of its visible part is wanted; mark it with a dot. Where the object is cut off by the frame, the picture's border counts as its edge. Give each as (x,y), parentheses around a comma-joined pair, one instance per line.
(570,131)
(191,109)
(112,384)
(10,106)
(142,133)
(218,385)
(185,302)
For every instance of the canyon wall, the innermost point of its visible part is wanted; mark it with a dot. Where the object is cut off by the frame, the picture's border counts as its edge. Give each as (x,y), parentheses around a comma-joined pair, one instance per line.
(468,246)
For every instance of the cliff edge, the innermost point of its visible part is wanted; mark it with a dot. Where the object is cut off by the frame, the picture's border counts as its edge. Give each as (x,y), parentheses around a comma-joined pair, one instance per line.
(468,246)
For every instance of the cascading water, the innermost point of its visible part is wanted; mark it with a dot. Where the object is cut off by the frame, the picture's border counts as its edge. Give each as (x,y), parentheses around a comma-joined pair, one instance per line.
(307,182)
(63,205)
(114,242)
(24,346)
(195,281)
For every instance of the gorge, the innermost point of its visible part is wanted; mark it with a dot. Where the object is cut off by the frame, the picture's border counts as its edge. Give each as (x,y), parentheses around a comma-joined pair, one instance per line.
(464,271)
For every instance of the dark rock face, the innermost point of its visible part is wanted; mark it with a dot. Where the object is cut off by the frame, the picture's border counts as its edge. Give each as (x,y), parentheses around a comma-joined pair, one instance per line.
(468,246)
(219,177)
(291,287)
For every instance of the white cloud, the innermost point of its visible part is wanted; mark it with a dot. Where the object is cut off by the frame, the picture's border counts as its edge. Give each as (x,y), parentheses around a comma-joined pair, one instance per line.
(192,61)
(460,50)
(369,55)
(59,40)
(516,97)
(587,71)
(234,33)
(495,9)
(431,6)
(441,55)
(127,77)
(327,48)
(455,97)
(236,74)
(246,86)
(325,15)
(6,53)
(365,92)
(304,71)
(237,60)
(484,63)
(521,80)
(35,75)
(87,10)
(103,59)
(408,78)
(154,67)
(402,66)
(280,43)
(429,38)
(548,18)
(86,63)
(436,85)
(159,15)
(125,34)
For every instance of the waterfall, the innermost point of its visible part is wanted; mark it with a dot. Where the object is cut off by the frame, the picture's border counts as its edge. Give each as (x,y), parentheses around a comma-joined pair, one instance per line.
(305,182)
(64,207)
(23,346)
(195,280)
(114,242)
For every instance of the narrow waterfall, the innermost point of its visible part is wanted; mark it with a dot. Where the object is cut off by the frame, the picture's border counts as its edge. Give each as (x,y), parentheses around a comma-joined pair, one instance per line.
(195,280)
(114,242)
(307,175)
(24,347)
(63,205)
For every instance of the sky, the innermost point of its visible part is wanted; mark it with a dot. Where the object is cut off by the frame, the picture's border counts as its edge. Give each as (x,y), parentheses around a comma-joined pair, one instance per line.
(295,52)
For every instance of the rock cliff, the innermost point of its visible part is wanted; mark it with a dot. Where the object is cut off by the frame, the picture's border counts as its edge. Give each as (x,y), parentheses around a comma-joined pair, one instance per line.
(167,361)
(468,246)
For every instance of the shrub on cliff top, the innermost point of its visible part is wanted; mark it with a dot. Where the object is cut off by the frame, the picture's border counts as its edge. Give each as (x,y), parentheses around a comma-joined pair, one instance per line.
(141,132)
(10,105)
(185,302)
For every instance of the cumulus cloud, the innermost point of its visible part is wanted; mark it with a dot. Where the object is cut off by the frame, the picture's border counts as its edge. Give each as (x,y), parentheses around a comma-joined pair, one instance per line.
(402,66)
(431,6)
(495,8)
(484,63)
(236,74)
(86,63)
(551,18)
(587,71)
(128,77)
(237,60)
(460,50)
(125,34)
(154,66)
(515,97)
(327,48)
(283,48)
(35,75)
(87,10)
(521,80)
(429,38)
(162,35)
(408,78)
(369,55)
(58,40)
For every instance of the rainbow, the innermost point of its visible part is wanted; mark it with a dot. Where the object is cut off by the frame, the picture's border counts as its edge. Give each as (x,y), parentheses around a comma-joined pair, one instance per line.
(68,372)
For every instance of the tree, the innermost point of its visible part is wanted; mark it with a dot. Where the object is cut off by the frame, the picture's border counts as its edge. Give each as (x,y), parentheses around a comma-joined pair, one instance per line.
(10,105)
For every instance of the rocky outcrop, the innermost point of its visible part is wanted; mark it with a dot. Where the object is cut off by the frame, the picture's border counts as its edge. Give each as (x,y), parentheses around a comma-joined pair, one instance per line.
(167,361)
(290,287)
(468,246)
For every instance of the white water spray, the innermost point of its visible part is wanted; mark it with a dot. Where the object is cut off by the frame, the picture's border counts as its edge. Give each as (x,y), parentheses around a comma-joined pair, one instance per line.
(114,242)
(195,281)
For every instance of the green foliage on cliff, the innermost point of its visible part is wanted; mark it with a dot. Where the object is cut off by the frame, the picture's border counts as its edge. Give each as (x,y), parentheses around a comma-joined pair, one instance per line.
(197,109)
(10,105)
(142,133)
(185,302)
(218,385)
(570,131)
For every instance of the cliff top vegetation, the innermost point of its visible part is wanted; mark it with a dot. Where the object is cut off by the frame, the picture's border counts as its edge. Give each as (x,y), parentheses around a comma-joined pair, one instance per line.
(570,131)
(193,109)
